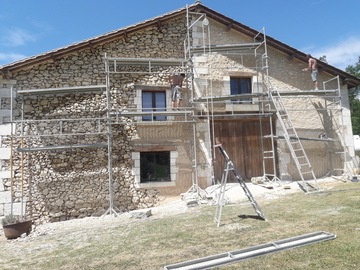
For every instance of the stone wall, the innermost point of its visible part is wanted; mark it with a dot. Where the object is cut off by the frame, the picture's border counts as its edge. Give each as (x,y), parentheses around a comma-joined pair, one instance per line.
(59,184)
(285,74)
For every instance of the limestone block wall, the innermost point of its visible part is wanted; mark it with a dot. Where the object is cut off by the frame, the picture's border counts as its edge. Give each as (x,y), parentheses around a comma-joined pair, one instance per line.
(212,72)
(310,117)
(5,172)
(60,185)
(178,139)
(5,132)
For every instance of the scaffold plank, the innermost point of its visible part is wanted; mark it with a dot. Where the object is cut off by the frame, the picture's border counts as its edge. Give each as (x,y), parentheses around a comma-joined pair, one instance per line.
(45,91)
(228,97)
(147,61)
(227,47)
(61,147)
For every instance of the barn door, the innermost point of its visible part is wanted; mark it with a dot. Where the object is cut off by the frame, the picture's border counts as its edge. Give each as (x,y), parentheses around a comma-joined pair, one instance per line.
(241,139)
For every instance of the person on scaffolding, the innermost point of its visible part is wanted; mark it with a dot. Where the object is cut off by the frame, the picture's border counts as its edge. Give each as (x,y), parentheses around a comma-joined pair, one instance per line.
(176,90)
(313,68)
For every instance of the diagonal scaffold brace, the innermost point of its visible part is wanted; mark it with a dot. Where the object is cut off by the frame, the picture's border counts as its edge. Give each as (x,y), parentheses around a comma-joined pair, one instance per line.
(229,166)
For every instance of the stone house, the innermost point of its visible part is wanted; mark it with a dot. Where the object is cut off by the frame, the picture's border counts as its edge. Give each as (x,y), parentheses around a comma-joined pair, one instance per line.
(88,129)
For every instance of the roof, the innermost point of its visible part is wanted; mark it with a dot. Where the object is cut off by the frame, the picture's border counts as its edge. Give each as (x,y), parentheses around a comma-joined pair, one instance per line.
(350,79)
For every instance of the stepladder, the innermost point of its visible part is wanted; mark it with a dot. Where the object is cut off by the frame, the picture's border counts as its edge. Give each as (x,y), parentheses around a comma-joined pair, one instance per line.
(229,167)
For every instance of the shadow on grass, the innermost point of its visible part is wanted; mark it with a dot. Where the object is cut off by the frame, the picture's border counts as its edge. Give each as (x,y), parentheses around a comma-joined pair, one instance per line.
(330,192)
(250,216)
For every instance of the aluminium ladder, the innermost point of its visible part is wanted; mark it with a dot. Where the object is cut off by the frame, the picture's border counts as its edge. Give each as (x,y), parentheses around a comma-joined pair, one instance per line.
(229,166)
(252,252)
(293,141)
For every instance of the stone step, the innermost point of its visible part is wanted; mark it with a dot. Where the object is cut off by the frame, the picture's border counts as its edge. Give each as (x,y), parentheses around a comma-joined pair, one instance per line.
(142,213)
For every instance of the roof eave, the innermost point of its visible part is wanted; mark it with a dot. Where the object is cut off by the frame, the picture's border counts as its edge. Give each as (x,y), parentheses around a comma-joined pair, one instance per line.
(91,42)
(347,78)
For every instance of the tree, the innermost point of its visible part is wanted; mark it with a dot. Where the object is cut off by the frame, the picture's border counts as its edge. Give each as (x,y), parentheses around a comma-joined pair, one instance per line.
(354,70)
(323,59)
(354,98)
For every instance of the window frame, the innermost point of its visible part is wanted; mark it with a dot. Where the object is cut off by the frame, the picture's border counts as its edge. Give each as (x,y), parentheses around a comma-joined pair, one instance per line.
(157,166)
(135,155)
(154,102)
(239,91)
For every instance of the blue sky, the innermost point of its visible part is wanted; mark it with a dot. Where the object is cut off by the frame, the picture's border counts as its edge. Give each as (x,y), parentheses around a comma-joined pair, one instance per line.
(319,27)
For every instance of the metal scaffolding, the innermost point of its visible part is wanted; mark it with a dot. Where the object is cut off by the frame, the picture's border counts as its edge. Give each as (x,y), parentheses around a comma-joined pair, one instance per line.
(202,102)
(22,128)
(263,96)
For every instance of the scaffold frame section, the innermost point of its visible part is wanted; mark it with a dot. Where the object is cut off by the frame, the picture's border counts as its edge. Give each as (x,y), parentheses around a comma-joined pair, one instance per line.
(62,90)
(227,47)
(306,92)
(148,61)
(114,64)
(61,147)
(228,97)
(152,112)
(252,252)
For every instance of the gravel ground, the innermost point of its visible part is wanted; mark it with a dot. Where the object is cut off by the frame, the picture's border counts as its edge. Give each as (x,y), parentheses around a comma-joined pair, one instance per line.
(171,206)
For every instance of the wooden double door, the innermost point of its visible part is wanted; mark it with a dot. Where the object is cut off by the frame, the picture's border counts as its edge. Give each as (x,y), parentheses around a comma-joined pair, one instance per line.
(243,141)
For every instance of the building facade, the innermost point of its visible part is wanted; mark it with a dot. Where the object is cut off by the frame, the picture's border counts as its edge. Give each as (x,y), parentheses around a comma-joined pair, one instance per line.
(88,129)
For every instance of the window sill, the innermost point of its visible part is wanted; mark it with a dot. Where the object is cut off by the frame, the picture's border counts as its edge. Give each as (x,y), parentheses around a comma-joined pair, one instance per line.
(242,107)
(155,184)
(156,123)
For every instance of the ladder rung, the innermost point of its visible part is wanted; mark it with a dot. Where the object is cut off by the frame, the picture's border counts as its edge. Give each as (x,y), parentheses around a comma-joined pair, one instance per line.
(309,175)
(294,142)
(305,164)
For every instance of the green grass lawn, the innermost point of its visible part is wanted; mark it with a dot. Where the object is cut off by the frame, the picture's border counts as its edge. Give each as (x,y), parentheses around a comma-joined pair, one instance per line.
(154,243)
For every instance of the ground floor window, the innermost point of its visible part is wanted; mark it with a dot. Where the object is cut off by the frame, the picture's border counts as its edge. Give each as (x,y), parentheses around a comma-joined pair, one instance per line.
(154,166)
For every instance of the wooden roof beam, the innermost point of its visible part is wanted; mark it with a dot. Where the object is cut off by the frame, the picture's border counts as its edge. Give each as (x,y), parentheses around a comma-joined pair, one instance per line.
(7,74)
(159,25)
(91,46)
(126,36)
(291,56)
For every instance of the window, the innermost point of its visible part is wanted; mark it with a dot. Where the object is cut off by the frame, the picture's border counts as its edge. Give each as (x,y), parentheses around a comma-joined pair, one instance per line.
(240,86)
(153,101)
(145,165)
(154,166)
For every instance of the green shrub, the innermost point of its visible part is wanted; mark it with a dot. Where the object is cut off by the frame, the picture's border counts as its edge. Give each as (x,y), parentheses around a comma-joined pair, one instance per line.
(10,219)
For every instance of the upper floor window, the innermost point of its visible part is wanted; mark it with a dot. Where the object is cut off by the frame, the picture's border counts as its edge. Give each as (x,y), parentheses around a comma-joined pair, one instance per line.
(240,86)
(153,101)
